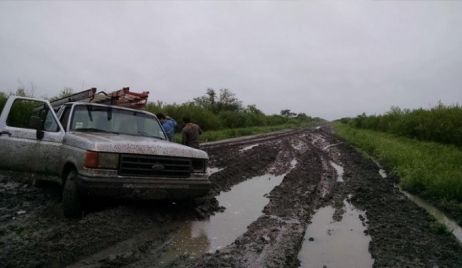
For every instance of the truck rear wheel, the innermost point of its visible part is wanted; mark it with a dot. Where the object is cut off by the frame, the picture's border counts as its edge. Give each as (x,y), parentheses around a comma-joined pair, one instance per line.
(72,206)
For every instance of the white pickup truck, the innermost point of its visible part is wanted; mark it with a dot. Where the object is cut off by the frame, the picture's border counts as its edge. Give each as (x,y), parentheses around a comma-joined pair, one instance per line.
(98,150)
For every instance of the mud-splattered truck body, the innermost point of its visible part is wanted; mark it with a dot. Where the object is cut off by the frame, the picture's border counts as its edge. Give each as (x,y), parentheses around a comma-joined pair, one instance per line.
(98,150)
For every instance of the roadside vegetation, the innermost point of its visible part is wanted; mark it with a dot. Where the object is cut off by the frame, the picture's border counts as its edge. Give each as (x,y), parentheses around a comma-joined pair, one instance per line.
(429,169)
(219,113)
(441,123)
(3,98)
(223,113)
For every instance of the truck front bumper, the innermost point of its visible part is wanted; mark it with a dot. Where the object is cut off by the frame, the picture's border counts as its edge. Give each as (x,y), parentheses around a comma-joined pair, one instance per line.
(144,188)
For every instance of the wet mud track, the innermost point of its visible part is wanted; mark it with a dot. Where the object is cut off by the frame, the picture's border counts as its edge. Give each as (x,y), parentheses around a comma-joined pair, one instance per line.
(323,204)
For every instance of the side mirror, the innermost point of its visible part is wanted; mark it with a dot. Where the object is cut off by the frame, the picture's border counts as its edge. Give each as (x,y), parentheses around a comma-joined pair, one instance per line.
(36,123)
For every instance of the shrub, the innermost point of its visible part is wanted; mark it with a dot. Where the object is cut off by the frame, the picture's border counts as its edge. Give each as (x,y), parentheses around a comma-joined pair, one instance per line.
(441,124)
(3,98)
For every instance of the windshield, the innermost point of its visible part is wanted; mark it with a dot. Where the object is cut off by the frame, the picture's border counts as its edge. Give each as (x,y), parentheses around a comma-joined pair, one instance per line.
(113,120)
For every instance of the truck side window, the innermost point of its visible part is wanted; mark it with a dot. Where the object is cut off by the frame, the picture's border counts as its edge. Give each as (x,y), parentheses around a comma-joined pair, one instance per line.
(65,116)
(22,111)
(50,123)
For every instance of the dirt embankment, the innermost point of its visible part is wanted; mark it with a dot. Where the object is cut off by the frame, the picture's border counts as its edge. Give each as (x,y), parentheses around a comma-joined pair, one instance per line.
(34,233)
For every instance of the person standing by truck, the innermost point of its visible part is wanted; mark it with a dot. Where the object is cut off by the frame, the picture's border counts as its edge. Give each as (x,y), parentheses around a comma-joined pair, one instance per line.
(168,124)
(190,133)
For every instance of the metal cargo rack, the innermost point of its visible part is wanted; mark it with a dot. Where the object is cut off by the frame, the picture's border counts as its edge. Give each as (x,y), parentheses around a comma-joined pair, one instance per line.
(122,97)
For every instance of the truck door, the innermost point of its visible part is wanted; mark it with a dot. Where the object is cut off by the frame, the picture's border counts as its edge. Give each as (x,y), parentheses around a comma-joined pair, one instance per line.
(30,136)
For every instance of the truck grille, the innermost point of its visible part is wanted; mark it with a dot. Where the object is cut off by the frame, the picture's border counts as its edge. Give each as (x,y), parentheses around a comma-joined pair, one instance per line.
(154,166)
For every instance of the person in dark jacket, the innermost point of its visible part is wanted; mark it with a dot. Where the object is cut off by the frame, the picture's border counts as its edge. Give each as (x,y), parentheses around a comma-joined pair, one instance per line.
(168,124)
(190,133)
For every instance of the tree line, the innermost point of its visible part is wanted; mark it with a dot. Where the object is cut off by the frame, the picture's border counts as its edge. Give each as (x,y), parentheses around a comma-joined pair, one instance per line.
(222,109)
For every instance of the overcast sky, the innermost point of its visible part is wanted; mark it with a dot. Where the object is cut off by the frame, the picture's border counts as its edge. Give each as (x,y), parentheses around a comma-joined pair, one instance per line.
(324,58)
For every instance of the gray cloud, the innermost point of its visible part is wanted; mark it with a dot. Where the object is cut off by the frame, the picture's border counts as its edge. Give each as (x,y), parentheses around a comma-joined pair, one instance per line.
(326,58)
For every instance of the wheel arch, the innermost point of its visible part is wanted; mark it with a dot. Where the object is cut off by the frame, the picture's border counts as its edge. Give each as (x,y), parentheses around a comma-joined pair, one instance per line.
(68,167)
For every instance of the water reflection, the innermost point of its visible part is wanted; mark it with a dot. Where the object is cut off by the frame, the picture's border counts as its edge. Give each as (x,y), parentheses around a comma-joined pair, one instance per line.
(212,170)
(244,204)
(336,244)
(383,173)
(452,226)
(185,242)
(339,170)
(246,148)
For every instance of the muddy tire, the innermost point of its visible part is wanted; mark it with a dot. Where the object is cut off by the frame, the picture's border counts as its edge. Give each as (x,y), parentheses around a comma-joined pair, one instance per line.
(72,205)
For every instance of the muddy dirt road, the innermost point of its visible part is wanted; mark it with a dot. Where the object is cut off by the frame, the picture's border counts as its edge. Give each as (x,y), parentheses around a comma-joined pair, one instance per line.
(293,199)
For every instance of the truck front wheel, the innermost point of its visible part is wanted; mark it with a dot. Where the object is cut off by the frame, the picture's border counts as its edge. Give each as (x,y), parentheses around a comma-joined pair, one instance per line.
(72,206)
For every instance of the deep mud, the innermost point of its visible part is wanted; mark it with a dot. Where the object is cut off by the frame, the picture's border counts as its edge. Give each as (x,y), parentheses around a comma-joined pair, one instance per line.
(34,233)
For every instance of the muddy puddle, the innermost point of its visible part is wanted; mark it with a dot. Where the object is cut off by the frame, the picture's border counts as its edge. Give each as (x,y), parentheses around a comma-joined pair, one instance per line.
(439,216)
(383,173)
(243,205)
(327,147)
(338,170)
(450,224)
(212,170)
(330,243)
(246,148)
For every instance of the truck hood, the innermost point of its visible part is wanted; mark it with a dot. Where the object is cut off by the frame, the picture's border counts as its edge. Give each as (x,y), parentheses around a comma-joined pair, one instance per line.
(120,143)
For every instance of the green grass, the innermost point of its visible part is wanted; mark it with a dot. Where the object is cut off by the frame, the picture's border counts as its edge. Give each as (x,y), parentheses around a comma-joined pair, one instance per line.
(429,169)
(215,135)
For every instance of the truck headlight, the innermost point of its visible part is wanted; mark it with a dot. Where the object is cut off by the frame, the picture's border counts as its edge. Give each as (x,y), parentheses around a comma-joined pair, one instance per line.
(199,165)
(101,160)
